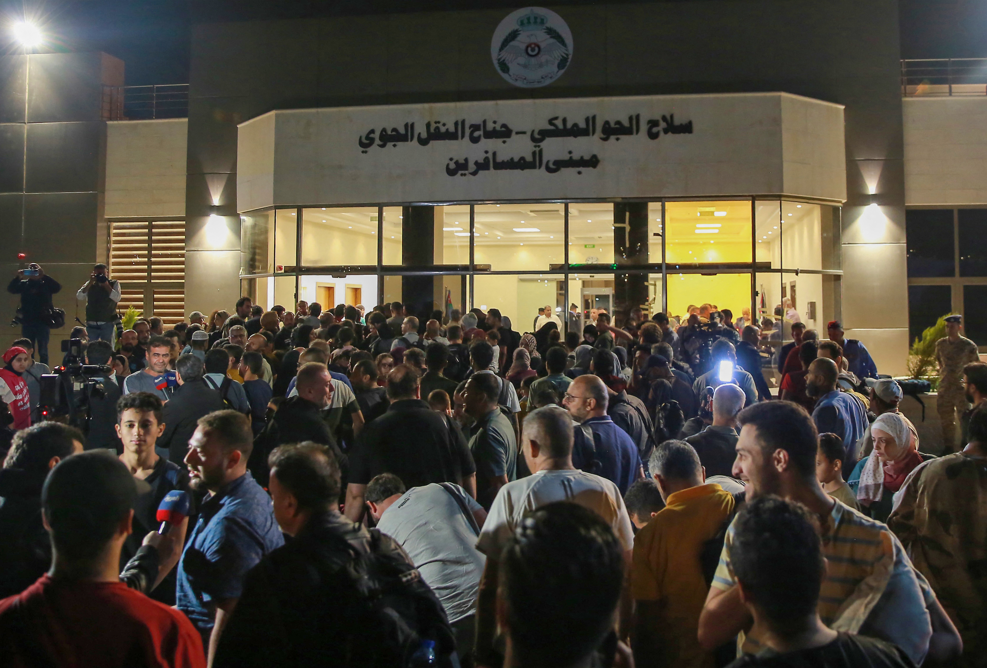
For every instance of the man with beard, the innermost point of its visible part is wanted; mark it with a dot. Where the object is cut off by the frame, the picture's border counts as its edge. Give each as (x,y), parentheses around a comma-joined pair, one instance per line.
(836,412)
(128,348)
(152,379)
(870,587)
(143,329)
(236,526)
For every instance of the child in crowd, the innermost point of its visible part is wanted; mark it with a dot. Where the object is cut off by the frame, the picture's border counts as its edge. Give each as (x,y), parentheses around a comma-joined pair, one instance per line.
(493,338)
(829,469)
(643,501)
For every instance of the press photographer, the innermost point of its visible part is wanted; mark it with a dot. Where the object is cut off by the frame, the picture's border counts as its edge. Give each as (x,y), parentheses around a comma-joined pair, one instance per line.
(101,296)
(36,314)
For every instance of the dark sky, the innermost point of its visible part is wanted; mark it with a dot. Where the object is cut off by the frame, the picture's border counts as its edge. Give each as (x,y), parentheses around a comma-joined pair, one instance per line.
(152,36)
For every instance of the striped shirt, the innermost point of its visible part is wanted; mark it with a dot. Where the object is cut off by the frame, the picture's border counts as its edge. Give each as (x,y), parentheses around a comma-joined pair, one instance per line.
(870,585)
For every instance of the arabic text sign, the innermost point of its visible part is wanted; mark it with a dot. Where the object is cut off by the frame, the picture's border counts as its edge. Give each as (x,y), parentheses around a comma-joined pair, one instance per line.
(647,147)
(556,128)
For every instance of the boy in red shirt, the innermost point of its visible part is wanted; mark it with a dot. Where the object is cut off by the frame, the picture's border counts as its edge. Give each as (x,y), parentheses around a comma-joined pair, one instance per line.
(79,613)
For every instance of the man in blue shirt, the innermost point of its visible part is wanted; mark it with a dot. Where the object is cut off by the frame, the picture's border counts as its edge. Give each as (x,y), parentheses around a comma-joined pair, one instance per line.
(235,529)
(600,446)
(859,361)
(836,412)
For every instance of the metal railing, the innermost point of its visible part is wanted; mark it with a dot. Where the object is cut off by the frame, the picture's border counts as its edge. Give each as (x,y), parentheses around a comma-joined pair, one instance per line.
(943,77)
(141,103)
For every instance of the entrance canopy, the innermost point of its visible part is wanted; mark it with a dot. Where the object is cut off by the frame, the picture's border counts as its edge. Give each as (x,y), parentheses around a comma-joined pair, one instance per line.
(564,149)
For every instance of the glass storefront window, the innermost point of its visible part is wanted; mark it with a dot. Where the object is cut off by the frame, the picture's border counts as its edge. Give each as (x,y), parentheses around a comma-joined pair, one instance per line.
(975,301)
(332,289)
(767,232)
(972,230)
(591,233)
(453,224)
(520,237)
(929,239)
(520,297)
(271,291)
(285,240)
(722,291)
(257,243)
(707,233)
(391,238)
(809,232)
(339,236)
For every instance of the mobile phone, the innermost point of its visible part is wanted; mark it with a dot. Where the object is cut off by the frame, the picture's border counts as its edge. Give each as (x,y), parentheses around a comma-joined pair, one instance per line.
(725,373)
(31,272)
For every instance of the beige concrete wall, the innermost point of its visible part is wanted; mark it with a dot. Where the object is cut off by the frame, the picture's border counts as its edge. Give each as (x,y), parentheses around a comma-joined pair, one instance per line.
(145,168)
(945,150)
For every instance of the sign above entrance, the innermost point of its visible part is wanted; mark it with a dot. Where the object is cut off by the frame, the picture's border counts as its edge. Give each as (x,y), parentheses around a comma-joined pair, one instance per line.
(553,149)
(532,47)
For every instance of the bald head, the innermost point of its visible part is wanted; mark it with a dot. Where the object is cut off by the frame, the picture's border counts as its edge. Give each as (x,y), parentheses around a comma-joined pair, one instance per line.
(256,343)
(728,401)
(586,398)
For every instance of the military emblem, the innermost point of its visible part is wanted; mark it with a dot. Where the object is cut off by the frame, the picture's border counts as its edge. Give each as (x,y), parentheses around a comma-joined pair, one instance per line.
(532,47)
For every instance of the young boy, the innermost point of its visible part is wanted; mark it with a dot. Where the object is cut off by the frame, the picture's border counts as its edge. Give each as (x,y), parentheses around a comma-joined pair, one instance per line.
(829,469)
(139,425)
(643,501)
(493,338)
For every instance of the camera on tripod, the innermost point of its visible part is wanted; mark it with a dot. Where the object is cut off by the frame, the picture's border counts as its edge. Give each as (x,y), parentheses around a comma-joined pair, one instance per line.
(68,391)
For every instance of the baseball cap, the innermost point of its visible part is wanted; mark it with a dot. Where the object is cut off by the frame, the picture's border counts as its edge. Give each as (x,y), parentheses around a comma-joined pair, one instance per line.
(200,335)
(90,493)
(195,314)
(889,391)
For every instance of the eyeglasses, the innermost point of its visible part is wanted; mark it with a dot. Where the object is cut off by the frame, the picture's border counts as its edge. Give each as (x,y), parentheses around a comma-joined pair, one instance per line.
(570,397)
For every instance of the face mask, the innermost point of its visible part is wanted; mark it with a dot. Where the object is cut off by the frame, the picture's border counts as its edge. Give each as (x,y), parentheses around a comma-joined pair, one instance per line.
(811,389)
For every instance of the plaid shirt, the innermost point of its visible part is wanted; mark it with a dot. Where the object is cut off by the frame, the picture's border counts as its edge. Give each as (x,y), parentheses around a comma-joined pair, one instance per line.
(870,587)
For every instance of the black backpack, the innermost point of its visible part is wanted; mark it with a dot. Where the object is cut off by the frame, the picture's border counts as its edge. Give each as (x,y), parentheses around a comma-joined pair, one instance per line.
(390,609)
(668,417)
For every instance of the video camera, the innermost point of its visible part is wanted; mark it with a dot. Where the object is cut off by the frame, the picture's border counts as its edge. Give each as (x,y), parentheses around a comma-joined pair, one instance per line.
(70,388)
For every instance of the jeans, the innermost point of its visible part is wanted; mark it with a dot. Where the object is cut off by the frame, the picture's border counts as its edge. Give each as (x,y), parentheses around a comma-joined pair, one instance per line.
(39,334)
(104,332)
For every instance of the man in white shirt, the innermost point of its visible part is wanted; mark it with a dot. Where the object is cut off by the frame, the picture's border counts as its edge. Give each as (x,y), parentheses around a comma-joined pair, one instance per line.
(437,525)
(546,317)
(547,447)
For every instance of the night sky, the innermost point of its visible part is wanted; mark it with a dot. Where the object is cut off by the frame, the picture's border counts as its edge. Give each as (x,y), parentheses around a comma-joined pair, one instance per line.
(152,36)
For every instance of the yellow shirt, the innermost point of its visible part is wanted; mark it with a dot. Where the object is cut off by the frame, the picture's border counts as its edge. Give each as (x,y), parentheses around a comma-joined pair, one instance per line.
(235,375)
(666,569)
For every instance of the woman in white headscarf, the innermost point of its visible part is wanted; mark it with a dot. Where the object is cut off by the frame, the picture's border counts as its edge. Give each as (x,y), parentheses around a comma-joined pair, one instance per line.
(881,474)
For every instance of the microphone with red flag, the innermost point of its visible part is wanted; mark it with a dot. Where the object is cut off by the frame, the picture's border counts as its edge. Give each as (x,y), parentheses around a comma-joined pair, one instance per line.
(173,509)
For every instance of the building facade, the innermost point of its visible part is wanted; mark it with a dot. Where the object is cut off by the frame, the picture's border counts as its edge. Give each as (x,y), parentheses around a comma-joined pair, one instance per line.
(752,154)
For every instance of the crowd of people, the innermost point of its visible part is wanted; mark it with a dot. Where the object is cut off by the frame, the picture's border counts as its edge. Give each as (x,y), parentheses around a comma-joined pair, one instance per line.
(383,488)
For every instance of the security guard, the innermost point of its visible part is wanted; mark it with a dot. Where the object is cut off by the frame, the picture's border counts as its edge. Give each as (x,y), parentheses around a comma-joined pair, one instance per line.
(953,353)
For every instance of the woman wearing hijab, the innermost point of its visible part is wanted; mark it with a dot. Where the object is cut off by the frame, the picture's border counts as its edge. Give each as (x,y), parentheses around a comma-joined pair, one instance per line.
(584,358)
(881,474)
(542,336)
(521,368)
(13,387)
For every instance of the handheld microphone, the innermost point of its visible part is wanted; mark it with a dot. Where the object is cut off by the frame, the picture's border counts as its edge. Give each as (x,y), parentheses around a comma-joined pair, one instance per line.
(173,509)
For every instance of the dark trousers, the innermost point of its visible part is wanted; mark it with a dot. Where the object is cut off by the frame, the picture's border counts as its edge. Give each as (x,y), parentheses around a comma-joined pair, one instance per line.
(39,334)
(464,631)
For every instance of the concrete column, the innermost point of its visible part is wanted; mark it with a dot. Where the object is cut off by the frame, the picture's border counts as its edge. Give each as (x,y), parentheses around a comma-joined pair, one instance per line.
(421,231)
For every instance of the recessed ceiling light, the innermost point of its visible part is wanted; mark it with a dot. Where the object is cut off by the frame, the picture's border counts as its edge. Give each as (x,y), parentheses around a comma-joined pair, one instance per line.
(292,213)
(521,244)
(719,214)
(392,236)
(452,229)
(769,231)
(526,229)
(775,227)
(789,214)
(462,234)
(589,221)
(350,227)
(323,208)
(709,225)
(707,231)
(798,206)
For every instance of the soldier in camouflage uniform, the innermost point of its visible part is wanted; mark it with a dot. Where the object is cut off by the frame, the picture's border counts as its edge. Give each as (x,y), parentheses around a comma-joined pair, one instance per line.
(953,353)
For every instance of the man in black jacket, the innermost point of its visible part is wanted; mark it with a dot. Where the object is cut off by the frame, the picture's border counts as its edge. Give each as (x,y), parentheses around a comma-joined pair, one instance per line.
(35,290)
(297,606)
(26,551)
(413,442)
(102,427)
(192,400)
(750,360)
